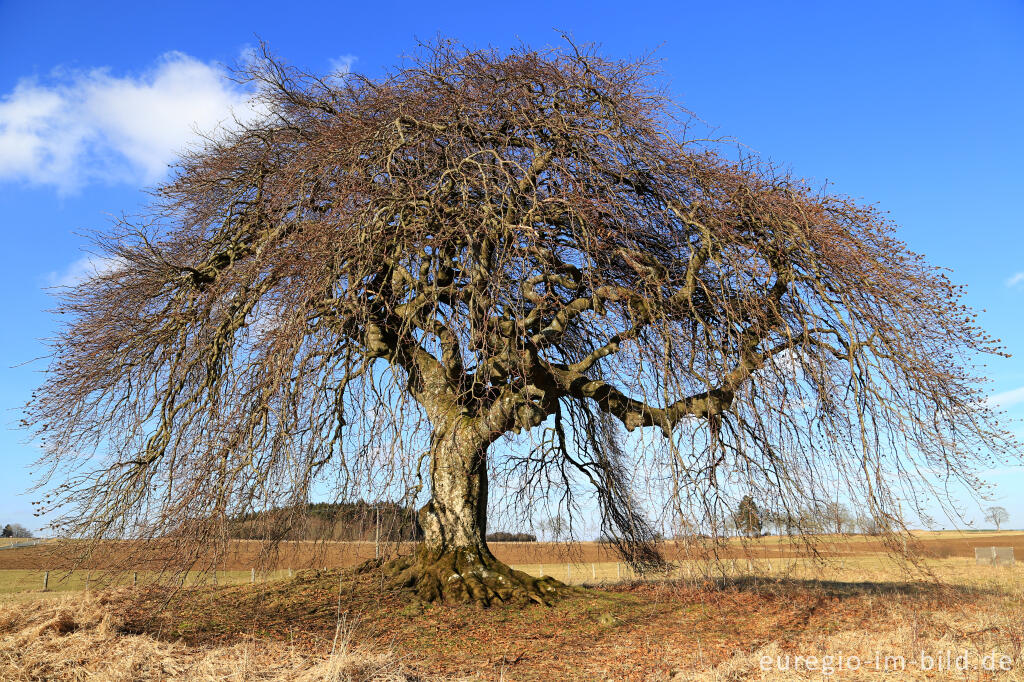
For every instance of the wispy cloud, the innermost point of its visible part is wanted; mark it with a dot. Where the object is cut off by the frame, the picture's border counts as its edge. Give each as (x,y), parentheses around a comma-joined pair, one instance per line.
(77,127)
(82,269)
(1017,280)
(342,65)
(1007,398)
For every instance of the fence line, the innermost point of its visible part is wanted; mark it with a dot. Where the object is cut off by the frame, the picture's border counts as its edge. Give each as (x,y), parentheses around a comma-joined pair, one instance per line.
(570,572)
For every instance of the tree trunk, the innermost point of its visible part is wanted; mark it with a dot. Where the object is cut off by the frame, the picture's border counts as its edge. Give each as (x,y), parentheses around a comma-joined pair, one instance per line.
(453,563)
(456,515)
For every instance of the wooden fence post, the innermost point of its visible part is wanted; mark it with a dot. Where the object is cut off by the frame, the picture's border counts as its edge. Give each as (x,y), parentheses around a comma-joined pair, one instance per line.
(252,576)
(46,581)
(135,579)
(376,536)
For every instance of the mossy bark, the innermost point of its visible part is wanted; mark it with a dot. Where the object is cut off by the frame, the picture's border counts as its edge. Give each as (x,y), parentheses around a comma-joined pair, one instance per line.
(454,564)
(468,575)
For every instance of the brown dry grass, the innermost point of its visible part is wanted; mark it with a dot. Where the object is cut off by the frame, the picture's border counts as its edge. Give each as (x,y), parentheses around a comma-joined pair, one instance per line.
(685,630)
(969,647)
(81,638)
(290,630)
(658,630)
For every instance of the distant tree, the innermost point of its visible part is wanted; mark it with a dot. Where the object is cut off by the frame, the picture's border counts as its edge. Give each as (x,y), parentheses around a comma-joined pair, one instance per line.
(398,282)
(806,518)
(682,529)
(997,515)
(869,525)
(748,517)
(837,518)
(556,528)
(16,530)
(769,520)
(782,520)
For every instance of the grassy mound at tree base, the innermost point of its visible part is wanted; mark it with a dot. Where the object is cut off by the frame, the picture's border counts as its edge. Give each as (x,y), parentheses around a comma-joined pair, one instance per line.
(287,630)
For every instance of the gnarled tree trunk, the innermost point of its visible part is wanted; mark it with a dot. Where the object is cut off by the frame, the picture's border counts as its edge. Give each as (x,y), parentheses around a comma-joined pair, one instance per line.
(456,515)
(453,563)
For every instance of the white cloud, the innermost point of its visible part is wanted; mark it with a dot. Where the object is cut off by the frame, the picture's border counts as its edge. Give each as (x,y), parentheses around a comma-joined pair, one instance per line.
(342,65)
(1007,398)
(1016,280)
(77,127)
(82,269)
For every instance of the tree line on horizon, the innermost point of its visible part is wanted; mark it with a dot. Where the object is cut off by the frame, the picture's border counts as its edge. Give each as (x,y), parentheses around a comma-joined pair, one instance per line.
(358,520)
(392,522)
(15,530)
(831,517)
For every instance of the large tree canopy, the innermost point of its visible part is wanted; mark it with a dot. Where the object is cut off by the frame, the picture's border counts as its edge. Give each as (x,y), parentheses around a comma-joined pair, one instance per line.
(488,267)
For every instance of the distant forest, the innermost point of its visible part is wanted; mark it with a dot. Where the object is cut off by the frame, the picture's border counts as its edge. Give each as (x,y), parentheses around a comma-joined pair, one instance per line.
(342,521)
(330,521)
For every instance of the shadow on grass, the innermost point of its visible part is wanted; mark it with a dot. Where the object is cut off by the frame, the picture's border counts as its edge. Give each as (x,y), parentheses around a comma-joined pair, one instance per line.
(840,589)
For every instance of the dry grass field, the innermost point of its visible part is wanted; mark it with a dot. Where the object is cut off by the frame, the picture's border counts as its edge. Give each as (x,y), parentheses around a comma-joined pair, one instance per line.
(245,554)
(778,617)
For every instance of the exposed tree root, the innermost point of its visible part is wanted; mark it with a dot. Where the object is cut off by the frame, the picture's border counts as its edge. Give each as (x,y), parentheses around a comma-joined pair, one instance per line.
(466,575)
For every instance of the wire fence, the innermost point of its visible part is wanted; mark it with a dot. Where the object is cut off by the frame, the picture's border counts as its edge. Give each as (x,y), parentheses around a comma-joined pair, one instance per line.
(573,573)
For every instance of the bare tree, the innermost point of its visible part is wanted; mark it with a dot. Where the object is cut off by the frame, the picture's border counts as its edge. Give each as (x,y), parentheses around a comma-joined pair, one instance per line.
(997,515)
(516,269)
(556,528)
(837,518)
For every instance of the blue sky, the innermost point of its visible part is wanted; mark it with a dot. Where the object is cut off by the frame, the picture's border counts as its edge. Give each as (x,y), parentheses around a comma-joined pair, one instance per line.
(915,106)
